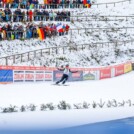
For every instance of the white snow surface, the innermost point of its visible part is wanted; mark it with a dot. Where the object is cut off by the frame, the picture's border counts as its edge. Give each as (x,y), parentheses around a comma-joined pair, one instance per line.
(119,88)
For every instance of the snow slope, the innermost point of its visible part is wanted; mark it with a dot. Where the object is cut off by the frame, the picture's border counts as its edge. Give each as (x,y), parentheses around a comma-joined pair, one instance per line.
(119,88)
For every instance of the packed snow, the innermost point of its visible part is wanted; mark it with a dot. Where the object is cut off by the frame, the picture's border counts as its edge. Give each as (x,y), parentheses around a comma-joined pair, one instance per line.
(118,88)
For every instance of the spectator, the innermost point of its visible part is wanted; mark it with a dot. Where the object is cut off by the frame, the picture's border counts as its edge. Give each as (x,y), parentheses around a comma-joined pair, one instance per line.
(36,15)
(16,31)
(34,4)
(30,15)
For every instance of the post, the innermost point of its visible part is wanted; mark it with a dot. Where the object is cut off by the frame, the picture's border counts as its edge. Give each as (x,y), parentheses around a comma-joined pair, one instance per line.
(21,57)
(85,30)
(126,30)
(89,46)
(124,43)
(49,51)
(28,56)
(34,54)
(71,32)
(126,18)
(56,50)
(6,61)
(13,58)
(63,50)
(41,53)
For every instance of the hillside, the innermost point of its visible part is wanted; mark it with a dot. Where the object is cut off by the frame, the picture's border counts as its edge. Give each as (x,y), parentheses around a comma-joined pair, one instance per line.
(93,56)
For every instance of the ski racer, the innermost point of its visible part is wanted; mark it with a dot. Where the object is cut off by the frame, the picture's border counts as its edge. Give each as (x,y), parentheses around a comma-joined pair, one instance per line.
(66,70)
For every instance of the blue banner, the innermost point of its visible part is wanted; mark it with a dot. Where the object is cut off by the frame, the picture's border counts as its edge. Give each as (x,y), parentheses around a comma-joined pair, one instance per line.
(72,76)
(76,76)
(6,75)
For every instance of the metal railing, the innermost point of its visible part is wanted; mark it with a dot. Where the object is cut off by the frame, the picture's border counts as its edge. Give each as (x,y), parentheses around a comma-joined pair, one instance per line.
(30,18)
(112,29)
(112,3)
(60,49)
(27,18)
(100,18)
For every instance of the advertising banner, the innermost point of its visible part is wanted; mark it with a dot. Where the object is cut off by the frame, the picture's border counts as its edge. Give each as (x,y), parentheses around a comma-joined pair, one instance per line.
(48,75)
(6,76)
(90,75)
(29,76)
(57,75)
(72,76)
(105,73)
(127,67)
(35,74)
(76,76)
(119,70)
(18,76)
(39,76)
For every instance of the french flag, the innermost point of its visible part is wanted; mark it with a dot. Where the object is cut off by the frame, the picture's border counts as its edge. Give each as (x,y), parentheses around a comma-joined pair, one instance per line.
(59,28)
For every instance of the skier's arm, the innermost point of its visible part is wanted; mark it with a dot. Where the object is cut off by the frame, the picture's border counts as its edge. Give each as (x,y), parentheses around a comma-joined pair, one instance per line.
(73,71)
(60,69)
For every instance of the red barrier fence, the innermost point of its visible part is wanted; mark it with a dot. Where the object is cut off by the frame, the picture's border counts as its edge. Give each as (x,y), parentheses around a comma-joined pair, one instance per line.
(35,74)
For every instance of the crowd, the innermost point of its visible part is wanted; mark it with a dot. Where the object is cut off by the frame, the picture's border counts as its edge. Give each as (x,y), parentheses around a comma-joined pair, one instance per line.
(34,4)
(33,15)
(41,31)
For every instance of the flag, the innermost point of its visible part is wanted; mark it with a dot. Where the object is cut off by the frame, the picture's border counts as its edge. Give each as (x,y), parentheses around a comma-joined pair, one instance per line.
(84,2)
(87,3)
(45,2)
(59,28)
(41,33)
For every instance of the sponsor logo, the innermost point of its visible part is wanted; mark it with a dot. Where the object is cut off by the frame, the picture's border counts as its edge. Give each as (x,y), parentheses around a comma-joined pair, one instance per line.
(89,76)
(29,76)
(39,76)
(19,76)
(48,76)
(105,75)
(76,75)
(119,71)
(58,75)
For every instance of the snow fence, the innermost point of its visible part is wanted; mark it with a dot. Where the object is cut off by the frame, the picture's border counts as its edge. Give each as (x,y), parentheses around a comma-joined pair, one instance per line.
(10,74)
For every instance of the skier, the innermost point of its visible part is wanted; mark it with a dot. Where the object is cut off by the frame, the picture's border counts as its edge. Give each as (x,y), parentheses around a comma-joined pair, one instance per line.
(65,75)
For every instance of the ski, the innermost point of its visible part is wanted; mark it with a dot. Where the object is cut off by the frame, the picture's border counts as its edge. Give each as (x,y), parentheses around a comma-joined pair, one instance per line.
(60,84)
(56,84)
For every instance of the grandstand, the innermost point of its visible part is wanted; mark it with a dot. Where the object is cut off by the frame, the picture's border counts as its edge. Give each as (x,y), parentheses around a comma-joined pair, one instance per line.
(46,33)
